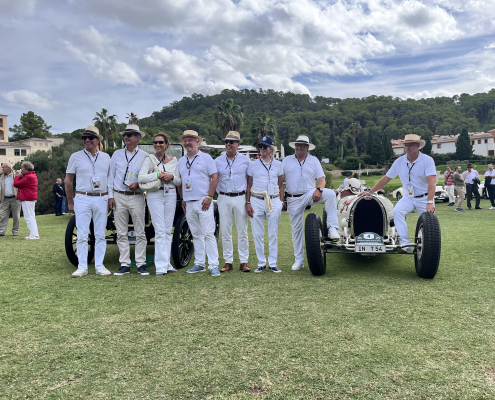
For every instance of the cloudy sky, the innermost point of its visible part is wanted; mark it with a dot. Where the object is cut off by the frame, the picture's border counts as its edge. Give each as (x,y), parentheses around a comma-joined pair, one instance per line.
(66,59)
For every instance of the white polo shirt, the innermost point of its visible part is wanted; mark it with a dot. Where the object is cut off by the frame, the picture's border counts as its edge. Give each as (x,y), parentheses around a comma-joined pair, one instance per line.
(9,186)
(487,173)
(309,169)
(421,168)
(262,173)
(235,169)
(122,160)
(468,177)
(202,167)
(85,166)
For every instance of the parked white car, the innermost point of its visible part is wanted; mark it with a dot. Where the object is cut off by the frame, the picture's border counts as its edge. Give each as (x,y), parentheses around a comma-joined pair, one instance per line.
(440,194)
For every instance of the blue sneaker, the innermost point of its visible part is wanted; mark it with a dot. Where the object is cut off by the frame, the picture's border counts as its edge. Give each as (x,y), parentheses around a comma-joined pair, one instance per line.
(275,269)
(451,204)
(215,272)
(260,269)
(196,268)
(459,209)
(123,270)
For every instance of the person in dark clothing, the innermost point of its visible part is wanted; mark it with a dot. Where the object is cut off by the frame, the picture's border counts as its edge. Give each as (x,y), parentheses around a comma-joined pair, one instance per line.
(64,198)
(58,192)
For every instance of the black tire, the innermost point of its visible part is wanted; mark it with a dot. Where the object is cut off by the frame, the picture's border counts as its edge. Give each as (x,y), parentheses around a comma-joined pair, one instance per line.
(71,239)
(182,244)
(428,246)
(314,251)
(324,224)
(398,196)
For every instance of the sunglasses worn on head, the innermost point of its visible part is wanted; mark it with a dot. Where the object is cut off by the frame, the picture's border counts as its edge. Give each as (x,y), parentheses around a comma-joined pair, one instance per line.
(262,146)
(158,142)
(88,137)
(230,141)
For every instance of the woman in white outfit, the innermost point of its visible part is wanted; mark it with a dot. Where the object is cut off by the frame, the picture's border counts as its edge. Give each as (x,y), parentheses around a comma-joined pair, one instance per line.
(161,202)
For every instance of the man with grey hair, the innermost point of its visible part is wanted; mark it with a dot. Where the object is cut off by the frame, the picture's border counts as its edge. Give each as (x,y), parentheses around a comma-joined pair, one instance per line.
(8,200)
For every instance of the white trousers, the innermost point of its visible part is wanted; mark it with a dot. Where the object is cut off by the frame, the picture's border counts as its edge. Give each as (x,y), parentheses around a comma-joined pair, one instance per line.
(202,226)
(162,210)
(230,209)
(30,217)
(89,208)
(450,192)
(295,209)
(405,206)
(258,229)
(135,207)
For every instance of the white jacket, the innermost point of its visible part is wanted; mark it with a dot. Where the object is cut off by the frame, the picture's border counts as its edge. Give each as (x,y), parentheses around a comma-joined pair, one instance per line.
(151,167)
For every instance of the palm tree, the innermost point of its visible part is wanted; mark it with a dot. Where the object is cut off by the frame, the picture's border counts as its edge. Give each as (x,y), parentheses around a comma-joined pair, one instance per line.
(105,123)
(264,126)
(228,117)
(354,130)
(133,118)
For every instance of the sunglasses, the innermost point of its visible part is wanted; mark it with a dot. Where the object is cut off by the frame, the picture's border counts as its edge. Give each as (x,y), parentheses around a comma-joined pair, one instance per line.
(88,138)
(262,146)
(158,142)
(129,134)
(230,141)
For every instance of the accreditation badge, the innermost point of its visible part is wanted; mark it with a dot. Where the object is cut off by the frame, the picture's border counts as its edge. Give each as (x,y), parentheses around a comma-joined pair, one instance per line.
(166,189)
(230,185)
(96,183)
(410,190)
(301,185)
(187,185)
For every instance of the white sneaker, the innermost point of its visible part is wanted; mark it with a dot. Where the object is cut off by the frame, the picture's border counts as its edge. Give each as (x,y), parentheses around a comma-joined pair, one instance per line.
(492,208)
(103,272)
(80,273)
(297,266)
(333,233)
(32,237)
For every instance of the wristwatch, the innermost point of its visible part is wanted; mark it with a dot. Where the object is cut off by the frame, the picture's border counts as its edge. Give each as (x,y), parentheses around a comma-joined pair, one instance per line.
(320,189)
(430,202)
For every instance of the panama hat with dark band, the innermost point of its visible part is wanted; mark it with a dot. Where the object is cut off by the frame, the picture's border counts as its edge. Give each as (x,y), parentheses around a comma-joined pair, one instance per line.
(133,129)
(92,130)
(303,139)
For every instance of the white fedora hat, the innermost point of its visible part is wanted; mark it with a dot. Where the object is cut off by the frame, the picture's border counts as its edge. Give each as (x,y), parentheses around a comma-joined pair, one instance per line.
(92,130)
(133,129)
(303,139)
(414,139)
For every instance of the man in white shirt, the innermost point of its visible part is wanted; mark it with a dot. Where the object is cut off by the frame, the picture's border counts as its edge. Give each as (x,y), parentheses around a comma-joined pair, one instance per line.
(301,170)
(8,201)
(471,179)
(199,181)
(93,187)
(128,200)
(347,177)
(490,187)
(417,173)
(231,189)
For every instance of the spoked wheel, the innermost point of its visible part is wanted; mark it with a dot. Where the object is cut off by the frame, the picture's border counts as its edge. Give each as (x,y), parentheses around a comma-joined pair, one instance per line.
(428,246)
(314,247)
(71,242)
(182,243)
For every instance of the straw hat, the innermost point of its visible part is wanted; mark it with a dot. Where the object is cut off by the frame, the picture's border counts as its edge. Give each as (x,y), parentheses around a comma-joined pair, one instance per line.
(133,129)
(233,135)
(191,133)
(414,139)
(304,140)
(92,130)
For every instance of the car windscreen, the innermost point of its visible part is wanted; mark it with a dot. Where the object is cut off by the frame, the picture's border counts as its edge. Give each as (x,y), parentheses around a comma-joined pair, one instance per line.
(175,149)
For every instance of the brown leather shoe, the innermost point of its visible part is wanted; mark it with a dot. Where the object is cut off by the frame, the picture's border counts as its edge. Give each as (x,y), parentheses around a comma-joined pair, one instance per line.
(228,267)
(244,267)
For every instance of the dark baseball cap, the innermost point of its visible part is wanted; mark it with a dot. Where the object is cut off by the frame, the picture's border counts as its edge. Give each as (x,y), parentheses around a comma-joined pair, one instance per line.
(267,140)
(469,166)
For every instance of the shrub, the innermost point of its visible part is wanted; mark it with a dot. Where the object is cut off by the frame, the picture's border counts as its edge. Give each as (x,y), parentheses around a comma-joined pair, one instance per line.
(328,179)
(353,163)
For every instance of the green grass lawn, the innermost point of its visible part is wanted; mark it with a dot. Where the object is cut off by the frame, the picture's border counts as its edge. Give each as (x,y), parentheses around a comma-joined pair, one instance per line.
(368,329)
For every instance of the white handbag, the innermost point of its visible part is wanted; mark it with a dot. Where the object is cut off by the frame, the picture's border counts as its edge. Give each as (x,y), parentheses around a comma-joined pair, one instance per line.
(154,185)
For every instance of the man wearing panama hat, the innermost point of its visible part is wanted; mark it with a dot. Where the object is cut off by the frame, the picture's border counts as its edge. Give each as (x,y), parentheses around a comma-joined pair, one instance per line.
(417,173)
(128,200)
(93,188)
(301,170)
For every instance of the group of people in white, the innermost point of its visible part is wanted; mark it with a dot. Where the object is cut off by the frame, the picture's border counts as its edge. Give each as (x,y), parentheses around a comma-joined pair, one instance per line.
(246,190)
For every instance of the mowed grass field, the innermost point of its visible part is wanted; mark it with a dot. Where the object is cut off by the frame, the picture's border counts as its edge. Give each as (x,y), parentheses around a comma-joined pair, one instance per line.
(368,329)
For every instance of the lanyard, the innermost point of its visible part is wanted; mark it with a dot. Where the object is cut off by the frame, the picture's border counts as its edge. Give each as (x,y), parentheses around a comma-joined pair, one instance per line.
(267,169)
(96,158)
(412,166)
(189,164)
(229,165)
(132,158)
(301,165)
(162,162)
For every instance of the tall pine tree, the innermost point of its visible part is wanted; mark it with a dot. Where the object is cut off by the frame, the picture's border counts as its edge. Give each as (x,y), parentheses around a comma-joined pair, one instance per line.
(387,147)
(464,149)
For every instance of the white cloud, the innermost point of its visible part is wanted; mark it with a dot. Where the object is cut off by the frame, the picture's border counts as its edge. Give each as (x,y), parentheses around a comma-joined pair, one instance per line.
(26,98)
(17,7)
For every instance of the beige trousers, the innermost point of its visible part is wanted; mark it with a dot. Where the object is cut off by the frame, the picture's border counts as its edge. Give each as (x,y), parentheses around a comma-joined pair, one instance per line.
(135,207)
(6,206)
(461,192)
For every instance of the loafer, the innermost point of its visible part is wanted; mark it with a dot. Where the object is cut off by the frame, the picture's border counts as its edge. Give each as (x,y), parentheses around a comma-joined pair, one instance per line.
(196,268)
(260,269)
(124,269)
(275,269)
(14,234)
(244,268)
(80,273)
(297,266)
(478,208)
(103,272)
(143,271)
(227,267)
(215,272)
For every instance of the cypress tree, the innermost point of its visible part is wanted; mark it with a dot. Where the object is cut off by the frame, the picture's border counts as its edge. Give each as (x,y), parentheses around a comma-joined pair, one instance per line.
(464,149)
(387,146)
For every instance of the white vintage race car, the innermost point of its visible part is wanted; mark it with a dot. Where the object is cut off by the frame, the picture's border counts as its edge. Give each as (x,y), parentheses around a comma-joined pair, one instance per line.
(440,194)
(366,227)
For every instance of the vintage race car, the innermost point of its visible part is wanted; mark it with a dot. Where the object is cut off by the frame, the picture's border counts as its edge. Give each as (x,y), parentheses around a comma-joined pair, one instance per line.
(366,227)
(440,194)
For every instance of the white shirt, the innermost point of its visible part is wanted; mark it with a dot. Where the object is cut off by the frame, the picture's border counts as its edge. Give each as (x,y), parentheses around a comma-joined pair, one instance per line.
(310,171)
(122,160)
(9,186)
(491,173)
(421,168)
(85,166)
(258,170)
(235,168)
(345,182)
(468,177)
(202,167)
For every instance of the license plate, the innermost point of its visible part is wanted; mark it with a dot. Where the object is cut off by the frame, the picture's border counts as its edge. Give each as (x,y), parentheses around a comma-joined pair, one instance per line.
(361,248)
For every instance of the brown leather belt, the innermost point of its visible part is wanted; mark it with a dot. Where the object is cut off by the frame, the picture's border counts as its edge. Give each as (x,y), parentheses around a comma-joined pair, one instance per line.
(233,194)
(92,194)
(295,195)
(127,193)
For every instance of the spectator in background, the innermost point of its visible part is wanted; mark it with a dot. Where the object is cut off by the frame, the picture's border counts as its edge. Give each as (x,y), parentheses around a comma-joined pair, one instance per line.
(490,185)
(460,187)
(26,182)
(8,201)
(472,179)
(64,198)
(347,177)
(449,185)
(58,192)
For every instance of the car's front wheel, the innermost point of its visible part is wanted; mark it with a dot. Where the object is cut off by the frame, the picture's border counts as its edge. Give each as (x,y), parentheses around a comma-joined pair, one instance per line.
(314,247)
(428,246)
